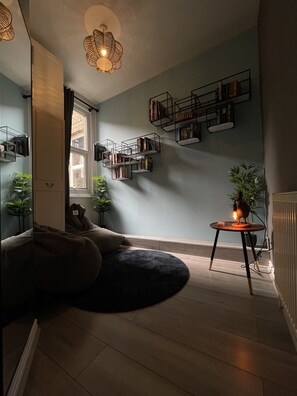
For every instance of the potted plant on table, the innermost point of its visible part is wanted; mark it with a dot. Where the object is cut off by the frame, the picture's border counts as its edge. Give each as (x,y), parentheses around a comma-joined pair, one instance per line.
(101,200)
(20,204)
(248,180)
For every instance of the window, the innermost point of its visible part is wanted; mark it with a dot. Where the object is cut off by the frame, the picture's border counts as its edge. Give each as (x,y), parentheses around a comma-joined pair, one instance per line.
(80,166)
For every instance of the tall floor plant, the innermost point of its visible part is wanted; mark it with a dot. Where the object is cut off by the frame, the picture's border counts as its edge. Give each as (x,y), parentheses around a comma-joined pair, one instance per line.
(21,198)
(101,199)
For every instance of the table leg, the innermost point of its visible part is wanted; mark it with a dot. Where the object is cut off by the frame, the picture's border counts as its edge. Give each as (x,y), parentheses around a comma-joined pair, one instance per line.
(214,248)
(254,252)
(247,265)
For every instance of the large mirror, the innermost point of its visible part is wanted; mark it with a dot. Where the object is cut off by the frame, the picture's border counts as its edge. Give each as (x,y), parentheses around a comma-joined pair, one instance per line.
(17,281)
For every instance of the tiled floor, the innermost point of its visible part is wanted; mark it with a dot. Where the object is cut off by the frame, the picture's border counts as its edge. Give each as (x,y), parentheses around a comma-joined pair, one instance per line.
(212,338)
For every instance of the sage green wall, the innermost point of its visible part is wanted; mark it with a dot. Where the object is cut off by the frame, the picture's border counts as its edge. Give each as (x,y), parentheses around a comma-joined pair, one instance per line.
(14,114)
(278,67)
(188,187)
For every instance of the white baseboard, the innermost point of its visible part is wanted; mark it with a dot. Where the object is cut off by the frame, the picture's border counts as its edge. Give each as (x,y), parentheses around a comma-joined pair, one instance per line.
(19,380)
(230,251)
(290,323)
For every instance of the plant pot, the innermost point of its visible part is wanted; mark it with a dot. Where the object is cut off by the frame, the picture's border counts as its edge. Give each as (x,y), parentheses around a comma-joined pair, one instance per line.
(253,238)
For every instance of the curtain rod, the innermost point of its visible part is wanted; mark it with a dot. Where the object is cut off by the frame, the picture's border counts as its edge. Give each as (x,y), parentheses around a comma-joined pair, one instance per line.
(87,104)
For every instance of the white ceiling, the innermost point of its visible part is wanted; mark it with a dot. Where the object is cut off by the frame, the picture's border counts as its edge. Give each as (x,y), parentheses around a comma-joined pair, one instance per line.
(156,35)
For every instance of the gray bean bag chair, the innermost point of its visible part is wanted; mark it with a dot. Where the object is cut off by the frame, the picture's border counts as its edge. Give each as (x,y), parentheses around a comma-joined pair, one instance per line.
(64,263)
(77,223)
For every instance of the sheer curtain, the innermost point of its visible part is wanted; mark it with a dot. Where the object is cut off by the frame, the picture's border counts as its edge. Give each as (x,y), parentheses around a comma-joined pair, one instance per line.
(68,110)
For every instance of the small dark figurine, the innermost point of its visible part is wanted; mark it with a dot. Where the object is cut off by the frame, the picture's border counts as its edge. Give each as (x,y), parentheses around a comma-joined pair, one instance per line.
(241,208)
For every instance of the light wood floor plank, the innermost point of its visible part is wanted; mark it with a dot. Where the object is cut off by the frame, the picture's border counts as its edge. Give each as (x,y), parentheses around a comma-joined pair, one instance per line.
(210,315)
(258,306)
(68,345)
(191,370)
(111,372)
(271,389)
(275,334)
(46,378)
(254,357)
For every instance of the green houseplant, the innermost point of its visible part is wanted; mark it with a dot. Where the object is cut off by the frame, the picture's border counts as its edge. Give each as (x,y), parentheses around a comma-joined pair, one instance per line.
(101,200)
(20,203)
(248,179)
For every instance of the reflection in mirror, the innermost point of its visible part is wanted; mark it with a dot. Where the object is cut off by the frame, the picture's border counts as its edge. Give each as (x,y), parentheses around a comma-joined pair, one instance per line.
(17,277)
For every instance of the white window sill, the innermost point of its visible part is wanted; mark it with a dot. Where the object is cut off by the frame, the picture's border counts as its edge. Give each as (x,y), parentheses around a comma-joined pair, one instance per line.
(80,194)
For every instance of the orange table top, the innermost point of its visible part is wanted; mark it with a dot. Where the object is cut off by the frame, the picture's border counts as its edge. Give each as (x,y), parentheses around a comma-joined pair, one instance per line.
(232,226)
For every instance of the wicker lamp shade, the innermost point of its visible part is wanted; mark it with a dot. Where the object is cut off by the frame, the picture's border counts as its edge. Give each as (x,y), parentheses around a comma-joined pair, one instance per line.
(6,29)
(102,51)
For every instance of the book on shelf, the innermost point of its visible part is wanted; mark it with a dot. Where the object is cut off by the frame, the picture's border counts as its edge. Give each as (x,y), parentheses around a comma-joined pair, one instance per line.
(229,90)
(140,164)
(233,88)
(147,144)
(122,172)
(148,164)
(225,114)
(116,158)
(157,111)
(221,91)
(145,163)
(140,144)
(186,132)
(183,115)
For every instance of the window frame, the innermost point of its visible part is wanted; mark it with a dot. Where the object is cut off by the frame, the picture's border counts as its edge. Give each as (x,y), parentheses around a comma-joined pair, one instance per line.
(86,153)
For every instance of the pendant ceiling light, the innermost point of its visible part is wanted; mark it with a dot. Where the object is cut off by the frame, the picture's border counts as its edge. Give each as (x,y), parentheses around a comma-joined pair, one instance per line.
(102,51)
(6,29)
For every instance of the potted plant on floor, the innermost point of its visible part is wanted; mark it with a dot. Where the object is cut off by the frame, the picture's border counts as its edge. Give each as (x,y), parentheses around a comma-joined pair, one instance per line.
(248,179)
(20,203)
(101,200)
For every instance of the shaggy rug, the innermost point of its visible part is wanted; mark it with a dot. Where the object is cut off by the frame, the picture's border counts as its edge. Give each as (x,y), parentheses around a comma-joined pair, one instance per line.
(130,279)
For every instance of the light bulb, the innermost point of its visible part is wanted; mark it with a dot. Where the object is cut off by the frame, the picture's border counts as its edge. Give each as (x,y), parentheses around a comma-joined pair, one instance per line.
(103,51)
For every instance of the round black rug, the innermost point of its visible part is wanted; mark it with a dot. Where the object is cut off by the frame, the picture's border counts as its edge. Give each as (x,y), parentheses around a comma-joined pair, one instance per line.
(130,279)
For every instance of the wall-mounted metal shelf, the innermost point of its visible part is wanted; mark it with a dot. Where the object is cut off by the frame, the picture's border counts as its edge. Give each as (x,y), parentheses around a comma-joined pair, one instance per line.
(204,104)
(12,144)
(130,156)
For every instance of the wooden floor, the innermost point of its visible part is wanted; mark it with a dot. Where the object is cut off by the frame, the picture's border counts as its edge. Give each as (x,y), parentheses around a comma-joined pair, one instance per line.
(212,338)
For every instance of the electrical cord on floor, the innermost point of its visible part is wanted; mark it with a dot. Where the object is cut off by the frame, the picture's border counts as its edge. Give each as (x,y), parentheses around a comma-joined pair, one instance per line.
(259,252)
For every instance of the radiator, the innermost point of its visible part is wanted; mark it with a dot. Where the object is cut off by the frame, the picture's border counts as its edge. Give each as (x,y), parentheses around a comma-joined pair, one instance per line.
(285,255)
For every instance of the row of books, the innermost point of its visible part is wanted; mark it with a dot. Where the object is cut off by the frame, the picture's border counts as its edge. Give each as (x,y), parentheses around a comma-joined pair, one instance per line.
(119,158)
(226,91)
(187,132)
(147,144)
(157,111)
(145,164)
(123,172)
(184,115)
(225,114)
